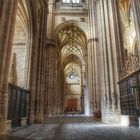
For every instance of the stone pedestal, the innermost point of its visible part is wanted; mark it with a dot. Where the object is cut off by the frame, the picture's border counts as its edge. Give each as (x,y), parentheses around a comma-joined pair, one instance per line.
(23,121)
(8,125)
(86,104)
(139,122)
(3,126)
(111,117)
(39,117)
(125,120)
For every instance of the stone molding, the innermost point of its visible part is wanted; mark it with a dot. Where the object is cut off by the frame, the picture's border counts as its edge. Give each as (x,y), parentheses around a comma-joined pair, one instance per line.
(94,1)
(50,42)
(92,40)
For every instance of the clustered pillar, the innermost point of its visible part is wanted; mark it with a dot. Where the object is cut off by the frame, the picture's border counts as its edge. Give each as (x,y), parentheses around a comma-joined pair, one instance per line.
(53,90)
(38,69)
(54,73)
(92,62)
(46,90)
(102,48)
(8,10)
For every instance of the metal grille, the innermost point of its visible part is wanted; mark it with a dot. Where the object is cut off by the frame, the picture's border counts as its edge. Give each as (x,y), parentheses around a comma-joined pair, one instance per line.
(130,97)
(18,104)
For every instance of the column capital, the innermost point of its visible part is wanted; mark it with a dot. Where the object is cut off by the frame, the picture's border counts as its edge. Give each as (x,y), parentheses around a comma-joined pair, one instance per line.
(92,40)
(50,42)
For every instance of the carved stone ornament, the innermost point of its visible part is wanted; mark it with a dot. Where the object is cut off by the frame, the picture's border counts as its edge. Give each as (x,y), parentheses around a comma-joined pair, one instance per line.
(131,65)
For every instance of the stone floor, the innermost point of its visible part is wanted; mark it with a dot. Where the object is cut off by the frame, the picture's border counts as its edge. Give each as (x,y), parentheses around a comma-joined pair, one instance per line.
(73,128)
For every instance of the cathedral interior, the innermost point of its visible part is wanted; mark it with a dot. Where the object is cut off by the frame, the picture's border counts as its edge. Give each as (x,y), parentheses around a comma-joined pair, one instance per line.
(70,69)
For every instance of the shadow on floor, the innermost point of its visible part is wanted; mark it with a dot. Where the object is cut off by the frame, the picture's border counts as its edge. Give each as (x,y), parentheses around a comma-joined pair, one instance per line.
(69,119)
(6,137)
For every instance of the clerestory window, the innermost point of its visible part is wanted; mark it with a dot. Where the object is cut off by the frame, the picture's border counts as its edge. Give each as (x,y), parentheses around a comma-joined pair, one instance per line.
(66,1)
(71,1)
(75,1)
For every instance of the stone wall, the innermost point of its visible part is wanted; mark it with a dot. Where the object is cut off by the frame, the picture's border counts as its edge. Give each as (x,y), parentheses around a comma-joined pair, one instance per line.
(20,51)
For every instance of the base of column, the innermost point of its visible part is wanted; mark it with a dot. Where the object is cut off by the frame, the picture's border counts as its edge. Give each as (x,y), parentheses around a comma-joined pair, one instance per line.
(86,104)
(31,118)
(3,126)
(139,122)
(24,122)
(39,118)
(8,125)
(125,120)
(111,117)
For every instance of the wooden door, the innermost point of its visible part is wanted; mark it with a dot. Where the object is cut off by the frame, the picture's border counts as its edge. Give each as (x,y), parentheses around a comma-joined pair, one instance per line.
(72,105)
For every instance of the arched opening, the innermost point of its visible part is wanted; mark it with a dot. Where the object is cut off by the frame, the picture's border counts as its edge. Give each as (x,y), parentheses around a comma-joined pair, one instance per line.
(72,44)
(73,87)
(19,94)
(20,54)
(127,25)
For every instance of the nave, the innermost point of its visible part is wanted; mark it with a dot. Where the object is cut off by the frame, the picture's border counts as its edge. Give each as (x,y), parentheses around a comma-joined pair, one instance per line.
(69,56)
(73,128)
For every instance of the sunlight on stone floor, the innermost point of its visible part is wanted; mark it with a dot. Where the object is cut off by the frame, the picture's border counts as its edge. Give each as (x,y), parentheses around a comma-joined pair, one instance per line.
(73,128)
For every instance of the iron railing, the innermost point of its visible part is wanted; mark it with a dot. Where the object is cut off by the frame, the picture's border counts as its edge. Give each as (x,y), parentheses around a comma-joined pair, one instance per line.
(18,104)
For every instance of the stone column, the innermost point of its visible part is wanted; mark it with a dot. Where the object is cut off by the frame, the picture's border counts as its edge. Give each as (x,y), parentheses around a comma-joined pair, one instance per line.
(110,43)
(58,83)
(46,94)
(51,46)
(51,77)
(92,60)
(136,14)
(52,94)
(33,79)
(53,91)
(104,58)
(41,68)
(7,24)
(61,76)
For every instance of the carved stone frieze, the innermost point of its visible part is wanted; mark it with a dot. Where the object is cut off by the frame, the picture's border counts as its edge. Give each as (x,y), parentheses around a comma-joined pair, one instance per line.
(131,65)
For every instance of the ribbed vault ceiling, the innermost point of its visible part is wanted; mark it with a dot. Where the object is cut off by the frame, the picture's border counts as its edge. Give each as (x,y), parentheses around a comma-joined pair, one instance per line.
(71,36)
(72,43)
(72,69)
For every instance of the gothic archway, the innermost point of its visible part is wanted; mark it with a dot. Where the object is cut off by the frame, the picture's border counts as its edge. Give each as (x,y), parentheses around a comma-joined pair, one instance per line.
(72,43)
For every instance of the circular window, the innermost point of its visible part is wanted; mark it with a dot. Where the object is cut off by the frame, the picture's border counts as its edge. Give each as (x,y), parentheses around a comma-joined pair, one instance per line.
(72,76)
